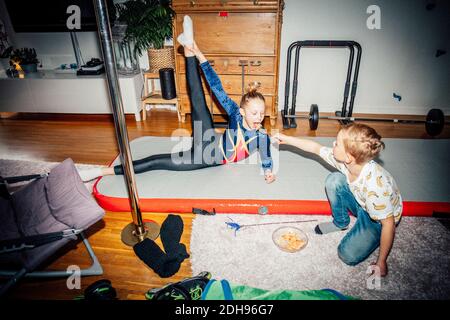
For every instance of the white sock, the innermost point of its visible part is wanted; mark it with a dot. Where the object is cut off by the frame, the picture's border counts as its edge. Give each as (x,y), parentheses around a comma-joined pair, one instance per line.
(187,37)
(182,40)
(90,174)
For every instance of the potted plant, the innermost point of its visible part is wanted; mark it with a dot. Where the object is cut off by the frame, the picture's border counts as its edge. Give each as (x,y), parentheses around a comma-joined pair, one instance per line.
(26,58)
(149,24)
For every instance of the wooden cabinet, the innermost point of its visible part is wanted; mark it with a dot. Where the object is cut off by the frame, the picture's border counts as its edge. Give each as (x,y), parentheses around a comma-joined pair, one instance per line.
(241,39)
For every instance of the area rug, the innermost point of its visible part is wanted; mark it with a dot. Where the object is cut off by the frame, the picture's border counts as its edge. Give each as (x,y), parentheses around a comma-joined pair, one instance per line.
(419,263)
(12,168)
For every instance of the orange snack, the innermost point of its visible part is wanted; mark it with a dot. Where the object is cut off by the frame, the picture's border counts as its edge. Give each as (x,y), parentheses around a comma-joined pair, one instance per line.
(290,241)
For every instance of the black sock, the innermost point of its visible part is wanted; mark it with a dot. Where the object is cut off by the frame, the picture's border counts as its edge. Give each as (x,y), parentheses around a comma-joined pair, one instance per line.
(170,233)
(164,265)
(168,263)
(174,260)
(179,254)
(149,252)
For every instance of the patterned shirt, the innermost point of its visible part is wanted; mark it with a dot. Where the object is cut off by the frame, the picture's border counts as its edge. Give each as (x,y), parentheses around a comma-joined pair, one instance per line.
(375,189)
(237,142)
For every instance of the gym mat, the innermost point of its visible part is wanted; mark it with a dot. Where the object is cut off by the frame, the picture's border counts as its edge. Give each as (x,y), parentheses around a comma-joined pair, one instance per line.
(420,168)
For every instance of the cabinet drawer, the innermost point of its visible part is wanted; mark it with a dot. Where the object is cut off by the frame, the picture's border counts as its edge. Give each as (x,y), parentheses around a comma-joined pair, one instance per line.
(224,5)
(239,33)
(227,65)
(232,84)
(237,99)
(185,104)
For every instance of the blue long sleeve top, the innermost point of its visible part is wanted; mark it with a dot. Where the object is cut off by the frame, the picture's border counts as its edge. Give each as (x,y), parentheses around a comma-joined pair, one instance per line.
(237,142)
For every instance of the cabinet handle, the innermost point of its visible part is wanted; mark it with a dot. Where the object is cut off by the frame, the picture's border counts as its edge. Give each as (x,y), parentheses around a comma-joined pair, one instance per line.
(255,2)
(211,62)
(192,3)
(255,63)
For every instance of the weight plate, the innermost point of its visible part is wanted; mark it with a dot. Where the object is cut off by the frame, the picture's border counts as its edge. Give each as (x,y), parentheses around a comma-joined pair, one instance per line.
(313,117)
(435,122)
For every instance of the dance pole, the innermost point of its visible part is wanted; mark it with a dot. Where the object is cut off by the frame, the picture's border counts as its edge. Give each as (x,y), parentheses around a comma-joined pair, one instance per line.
(137,230)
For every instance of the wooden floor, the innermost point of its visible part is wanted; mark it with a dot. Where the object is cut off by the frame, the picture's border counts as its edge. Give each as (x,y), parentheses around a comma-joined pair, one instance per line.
(91,139)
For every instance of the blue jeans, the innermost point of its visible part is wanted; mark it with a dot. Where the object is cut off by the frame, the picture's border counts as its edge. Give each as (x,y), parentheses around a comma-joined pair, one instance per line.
(365,235)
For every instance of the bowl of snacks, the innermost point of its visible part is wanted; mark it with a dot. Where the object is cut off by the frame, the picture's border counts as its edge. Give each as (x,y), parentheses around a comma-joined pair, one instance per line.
(289,239)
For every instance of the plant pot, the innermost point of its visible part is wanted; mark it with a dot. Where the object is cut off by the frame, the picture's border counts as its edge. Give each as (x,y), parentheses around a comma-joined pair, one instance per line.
(29,68)
(160,58)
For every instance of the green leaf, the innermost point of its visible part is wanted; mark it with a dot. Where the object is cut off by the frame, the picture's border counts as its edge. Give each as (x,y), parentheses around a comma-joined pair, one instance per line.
(149,22)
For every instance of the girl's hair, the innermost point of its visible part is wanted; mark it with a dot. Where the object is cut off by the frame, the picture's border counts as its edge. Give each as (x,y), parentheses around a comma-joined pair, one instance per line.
(252,93)
(362,142)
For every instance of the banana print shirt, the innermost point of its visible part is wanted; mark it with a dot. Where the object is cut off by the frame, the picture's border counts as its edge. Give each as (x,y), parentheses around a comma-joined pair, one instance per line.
(237,143)
(375,189)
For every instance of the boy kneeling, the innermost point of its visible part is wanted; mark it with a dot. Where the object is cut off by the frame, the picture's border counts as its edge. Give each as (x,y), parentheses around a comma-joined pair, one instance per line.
(362,187)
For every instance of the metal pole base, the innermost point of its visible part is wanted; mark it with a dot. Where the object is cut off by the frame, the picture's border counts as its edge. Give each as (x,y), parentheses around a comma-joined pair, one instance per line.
(130,238)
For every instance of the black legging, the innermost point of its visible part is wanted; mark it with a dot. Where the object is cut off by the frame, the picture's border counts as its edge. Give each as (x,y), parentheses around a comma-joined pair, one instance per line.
(202,153)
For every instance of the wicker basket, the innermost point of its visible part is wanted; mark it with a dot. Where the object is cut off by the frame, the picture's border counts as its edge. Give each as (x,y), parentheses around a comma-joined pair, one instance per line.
(160,58)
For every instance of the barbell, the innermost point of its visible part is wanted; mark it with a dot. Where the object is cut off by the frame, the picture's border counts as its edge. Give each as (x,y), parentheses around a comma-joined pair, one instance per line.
(434,122)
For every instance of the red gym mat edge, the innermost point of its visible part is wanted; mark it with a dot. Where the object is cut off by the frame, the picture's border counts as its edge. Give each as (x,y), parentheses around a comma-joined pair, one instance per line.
(319,207)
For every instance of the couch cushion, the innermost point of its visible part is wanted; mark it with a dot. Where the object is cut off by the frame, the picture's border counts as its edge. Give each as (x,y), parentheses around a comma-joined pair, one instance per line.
(28,215)
(33,214)
(68,199)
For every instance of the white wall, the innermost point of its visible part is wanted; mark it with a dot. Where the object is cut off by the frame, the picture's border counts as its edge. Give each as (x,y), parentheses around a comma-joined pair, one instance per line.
(400,57)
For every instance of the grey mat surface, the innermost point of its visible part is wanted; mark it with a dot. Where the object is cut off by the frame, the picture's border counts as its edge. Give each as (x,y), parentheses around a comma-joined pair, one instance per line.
(419,262)
(420,167)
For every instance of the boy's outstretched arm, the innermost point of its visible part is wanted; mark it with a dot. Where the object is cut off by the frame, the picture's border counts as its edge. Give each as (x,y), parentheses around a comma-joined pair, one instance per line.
(304,144)
(386,241)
